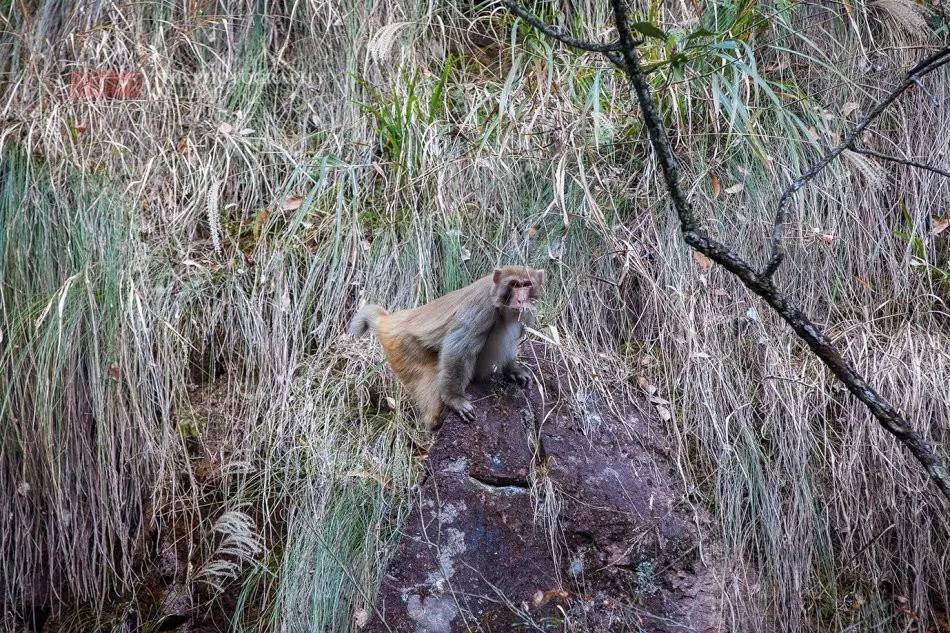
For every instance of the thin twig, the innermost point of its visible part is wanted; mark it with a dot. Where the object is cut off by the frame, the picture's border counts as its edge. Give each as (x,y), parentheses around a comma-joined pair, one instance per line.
(761,283)
(925,66)
(902,161)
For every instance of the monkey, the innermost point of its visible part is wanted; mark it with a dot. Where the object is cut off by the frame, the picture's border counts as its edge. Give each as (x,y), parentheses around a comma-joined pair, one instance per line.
(438,348)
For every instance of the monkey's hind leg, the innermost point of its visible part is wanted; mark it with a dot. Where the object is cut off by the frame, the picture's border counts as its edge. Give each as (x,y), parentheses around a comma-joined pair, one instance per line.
(425,396)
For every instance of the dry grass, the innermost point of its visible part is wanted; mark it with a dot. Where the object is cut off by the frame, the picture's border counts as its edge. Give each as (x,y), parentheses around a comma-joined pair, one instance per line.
(287,162)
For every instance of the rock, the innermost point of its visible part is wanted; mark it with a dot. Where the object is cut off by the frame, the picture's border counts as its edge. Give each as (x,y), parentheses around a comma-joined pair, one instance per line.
(613,550)
(453,569)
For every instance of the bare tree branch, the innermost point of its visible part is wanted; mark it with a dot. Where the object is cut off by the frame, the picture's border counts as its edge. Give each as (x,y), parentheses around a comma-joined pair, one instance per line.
(902,161)
(594,47)
(761,283)
(927,65)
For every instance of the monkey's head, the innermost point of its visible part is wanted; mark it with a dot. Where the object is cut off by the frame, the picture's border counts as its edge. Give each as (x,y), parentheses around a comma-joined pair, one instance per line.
(517,287)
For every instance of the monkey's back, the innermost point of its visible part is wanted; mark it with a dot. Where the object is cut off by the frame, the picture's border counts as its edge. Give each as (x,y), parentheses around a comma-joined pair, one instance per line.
(413,337)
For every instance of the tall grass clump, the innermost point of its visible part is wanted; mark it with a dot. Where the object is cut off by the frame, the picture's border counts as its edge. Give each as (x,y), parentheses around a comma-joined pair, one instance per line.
(177,271)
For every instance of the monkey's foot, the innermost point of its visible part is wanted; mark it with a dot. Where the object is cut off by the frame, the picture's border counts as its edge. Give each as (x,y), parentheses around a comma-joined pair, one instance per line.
(464,408)
(518,374)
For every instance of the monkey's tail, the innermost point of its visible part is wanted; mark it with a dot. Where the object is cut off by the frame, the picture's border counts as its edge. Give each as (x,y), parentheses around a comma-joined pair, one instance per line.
(366,319)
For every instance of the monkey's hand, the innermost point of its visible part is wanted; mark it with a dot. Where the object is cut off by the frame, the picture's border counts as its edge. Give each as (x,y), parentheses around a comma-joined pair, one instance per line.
(518,374)
(463,407)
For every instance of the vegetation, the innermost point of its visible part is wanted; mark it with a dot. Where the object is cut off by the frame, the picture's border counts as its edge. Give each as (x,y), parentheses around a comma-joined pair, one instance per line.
(177,270)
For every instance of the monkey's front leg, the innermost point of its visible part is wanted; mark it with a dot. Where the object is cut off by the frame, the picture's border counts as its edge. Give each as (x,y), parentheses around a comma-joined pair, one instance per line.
(518,374)
(456,366)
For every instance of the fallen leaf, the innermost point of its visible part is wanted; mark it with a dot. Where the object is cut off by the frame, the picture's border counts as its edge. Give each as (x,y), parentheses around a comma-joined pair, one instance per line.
(716,187)
(23,489)
(532,231)
(361,618)
(702,261)
(391,403)
(293,203)
(465,254)
(114,372)
(736,188)
(718,292)
(938,225)
(645,384)
(849,107)
(664,413)
(225,128)
(699,355)
(864,282)
(827,238)
(246,131)
(543,597)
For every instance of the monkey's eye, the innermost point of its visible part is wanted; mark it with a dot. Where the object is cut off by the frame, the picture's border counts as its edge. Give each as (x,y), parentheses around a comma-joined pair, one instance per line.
(520,284)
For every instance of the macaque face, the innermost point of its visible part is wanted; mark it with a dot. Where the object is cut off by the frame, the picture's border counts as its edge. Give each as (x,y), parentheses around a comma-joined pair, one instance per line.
(519,289)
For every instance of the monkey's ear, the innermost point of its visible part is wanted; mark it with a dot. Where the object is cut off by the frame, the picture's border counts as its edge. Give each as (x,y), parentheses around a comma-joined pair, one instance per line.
(496,276)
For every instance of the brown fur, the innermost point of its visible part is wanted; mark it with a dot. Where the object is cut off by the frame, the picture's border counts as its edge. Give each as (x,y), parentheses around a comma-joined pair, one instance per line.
(414,341)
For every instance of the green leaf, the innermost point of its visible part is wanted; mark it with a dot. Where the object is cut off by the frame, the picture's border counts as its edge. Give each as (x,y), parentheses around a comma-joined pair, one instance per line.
(701,32)
(650,30)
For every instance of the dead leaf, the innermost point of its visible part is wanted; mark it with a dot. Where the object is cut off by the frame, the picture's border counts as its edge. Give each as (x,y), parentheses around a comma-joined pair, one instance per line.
(114,371)
(225,128)
(716,186)
(827,238)
(702,261)
(541,598)
(293,203)
(465,254)
(736,188)
(23,489)
(664,413)
(849,107)
(645,384)
(938,225)
(718,292)
(391,403)
(532,231)
(864,282)
(360,618)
